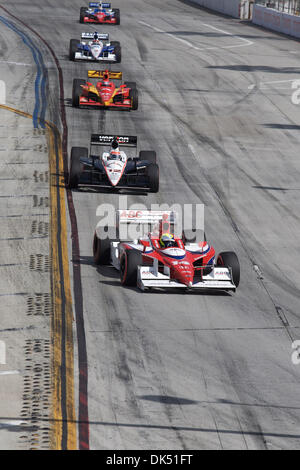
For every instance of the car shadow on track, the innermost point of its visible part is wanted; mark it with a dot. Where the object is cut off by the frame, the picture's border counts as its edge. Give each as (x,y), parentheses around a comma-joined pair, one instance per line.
(169,400)
(110,190)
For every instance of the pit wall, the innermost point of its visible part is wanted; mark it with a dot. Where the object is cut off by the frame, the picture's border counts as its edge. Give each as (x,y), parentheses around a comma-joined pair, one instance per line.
(273,19)
(228,7)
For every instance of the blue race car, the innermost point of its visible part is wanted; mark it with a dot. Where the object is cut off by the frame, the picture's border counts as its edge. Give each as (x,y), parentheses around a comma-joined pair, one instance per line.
(95,49)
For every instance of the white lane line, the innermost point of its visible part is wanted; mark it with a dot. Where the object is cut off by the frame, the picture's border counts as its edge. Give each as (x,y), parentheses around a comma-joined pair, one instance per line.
(192,46)
(261,84)
(11,423)
(9,372)
(187,43)
(246,41)
(15,63)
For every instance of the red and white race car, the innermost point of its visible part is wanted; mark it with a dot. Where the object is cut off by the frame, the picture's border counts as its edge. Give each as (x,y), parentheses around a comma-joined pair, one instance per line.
(99,12)
(160,259)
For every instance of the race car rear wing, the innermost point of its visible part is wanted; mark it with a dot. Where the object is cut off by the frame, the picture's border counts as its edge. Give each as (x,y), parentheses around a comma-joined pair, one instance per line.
(99,5)
(102,36)
(144,217)
(146,220)
(100,74)
(123,140)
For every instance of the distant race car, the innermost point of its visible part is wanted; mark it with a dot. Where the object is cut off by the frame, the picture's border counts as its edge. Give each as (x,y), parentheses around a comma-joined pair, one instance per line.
(160,259)
(105,94)
(94,49)
(114,169)
(99,12)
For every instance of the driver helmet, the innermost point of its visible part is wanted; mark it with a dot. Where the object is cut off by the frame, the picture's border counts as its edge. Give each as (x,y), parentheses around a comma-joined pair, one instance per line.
(96,38)
(115,153)
(105,81)
(167,240)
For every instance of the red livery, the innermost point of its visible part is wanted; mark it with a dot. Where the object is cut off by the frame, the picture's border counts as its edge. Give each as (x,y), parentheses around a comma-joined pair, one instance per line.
(100,13)
(162,259)
(105,93)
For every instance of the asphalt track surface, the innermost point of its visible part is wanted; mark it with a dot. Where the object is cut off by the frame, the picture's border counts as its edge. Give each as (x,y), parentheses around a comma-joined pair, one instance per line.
(174,370)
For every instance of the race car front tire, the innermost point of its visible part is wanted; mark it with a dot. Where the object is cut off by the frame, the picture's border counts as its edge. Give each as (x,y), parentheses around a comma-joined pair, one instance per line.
(101,250)
(134,99)
(82,14)
(73,48)
(129,262)
(118,54)
(115,43)
(117,15)
(229,259)
(77,91)
(76,166)
(148,155)
(153,177)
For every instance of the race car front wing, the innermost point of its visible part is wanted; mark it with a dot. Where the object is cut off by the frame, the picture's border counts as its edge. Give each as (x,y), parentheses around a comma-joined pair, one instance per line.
(219,278)
(110,57)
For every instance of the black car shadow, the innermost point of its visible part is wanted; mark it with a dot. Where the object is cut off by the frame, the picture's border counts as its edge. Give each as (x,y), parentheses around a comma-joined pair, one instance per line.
(103,190)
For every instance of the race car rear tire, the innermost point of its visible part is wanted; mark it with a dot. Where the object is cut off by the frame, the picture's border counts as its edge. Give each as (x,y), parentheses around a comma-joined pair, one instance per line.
(153,176)
(77,91)
(115,43)
(129,262)
(73,48)
(229,259)
(82,14)
(118,54)
(148,155)
(76,166)
(134,99)
(117,15)
(101,250)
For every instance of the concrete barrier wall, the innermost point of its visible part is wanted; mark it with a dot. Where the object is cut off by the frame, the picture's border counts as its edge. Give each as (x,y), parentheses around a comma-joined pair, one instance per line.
(272,19)
(228,7)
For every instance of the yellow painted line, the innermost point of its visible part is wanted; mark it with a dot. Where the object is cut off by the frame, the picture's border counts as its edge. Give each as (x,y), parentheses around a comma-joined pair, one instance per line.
(64,408)
(63,422)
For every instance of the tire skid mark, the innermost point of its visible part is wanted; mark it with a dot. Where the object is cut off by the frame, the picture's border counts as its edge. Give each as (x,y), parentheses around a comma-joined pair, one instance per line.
(41,76)
(83,418)
(63,422)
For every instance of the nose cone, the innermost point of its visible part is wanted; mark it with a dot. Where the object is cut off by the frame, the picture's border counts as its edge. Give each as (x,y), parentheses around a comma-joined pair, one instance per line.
(96,51)
(185,275)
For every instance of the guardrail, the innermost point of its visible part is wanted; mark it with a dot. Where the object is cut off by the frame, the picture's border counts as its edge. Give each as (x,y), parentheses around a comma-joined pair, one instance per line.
(284,6)
(228,7)
(275,20)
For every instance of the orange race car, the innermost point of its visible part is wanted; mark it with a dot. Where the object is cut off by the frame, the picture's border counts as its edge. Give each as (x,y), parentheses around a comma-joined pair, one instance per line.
(105,93)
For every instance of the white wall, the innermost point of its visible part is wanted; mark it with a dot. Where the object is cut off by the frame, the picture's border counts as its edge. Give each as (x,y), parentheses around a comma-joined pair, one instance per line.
(228,7)
(272,19)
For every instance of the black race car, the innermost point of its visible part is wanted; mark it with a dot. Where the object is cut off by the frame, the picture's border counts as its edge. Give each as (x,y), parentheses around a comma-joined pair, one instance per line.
(113,168)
